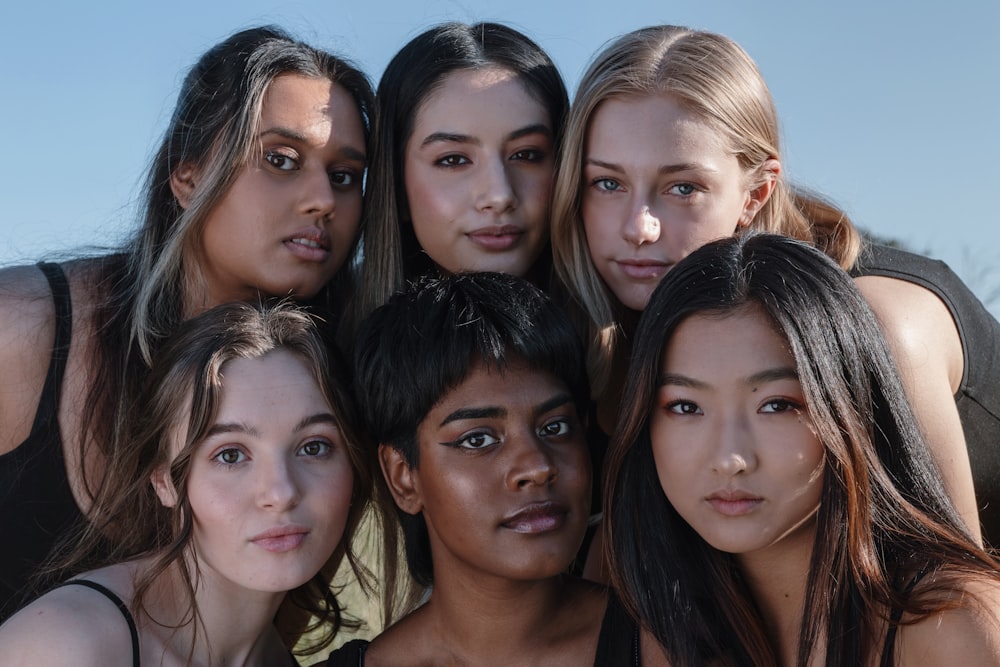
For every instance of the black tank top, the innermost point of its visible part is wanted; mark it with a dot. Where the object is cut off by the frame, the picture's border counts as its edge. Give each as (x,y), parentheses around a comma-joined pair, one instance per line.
(122,607)
(36,503)
(978,396)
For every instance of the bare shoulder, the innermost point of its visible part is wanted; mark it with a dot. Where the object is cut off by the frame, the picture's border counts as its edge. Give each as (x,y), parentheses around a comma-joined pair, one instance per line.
(651,651)
(403,642)
(71,623)
(916,322)
(966,635)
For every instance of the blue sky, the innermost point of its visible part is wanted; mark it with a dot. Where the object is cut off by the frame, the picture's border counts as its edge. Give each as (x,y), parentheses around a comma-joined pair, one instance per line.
(889,108)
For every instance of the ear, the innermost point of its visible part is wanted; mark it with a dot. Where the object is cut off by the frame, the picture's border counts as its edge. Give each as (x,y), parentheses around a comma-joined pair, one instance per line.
(764,179)
(402,480)
(183,181)
(164,487)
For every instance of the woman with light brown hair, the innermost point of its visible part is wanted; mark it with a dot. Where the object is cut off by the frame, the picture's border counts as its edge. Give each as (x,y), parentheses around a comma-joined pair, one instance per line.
(673,142)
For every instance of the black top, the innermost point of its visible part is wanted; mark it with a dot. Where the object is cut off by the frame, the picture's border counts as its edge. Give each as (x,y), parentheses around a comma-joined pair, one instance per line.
(978,396)
(122,607)
(36,503)
(617,645)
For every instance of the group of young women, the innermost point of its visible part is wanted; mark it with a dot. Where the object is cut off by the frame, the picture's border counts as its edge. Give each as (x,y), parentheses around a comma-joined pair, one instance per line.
(614,318)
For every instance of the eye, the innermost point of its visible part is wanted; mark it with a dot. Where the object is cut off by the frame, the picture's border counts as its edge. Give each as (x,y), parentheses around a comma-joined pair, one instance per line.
(315,448)
(453,161)
(555,428)
(780,405)
(606,184)
(682,189)
(230,456)
(280,161)
(683,408)
(343,178)
(474,440)
(529,155)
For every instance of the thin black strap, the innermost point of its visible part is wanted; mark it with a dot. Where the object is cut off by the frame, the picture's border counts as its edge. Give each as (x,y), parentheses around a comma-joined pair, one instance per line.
(64,331)
(109,594)
(889,650)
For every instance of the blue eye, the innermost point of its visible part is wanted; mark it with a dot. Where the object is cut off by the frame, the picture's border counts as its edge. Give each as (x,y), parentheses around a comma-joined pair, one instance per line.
(607,185)
(683,189)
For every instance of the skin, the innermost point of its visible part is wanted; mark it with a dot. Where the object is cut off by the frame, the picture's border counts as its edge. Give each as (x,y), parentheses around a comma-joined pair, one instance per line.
(478,171)
(291,217)
(503,482)
(254,256)
(659,182)
(288,469)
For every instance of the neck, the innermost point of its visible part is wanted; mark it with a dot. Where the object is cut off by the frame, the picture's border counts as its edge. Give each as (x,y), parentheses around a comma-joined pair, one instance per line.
(777,577)
(234,626)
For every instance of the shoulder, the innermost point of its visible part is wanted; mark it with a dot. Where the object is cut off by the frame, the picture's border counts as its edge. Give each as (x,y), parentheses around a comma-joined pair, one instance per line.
(68,621)
(966,635)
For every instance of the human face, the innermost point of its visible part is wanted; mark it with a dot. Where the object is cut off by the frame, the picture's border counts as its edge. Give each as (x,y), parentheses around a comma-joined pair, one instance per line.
(287,223)
(504,476)
(270,486)
(478,171)
(658,183)
(734,447)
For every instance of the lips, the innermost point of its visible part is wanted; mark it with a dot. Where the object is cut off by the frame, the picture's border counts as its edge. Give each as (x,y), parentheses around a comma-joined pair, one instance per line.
(280,538)
(734,503)
(310,244)
(501,237)
(643,269)
(534,518)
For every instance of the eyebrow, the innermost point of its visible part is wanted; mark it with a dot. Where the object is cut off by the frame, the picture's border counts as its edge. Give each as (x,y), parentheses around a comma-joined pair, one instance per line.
(454,137)
(348,152)
(663,169)
(767,375)
(495,412)
(240,427)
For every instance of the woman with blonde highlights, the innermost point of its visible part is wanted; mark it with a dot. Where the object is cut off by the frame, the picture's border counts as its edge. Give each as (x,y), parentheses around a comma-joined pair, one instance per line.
(672,142)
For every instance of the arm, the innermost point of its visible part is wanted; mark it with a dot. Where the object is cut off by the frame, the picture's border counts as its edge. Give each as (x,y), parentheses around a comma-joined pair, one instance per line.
(70,625)
(928,351)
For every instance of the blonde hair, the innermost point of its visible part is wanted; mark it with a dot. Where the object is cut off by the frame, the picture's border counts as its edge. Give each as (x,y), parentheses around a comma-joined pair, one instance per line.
(711,76)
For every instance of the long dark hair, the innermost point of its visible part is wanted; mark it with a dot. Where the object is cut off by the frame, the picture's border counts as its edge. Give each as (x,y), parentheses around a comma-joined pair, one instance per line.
(392,253)
(884,516)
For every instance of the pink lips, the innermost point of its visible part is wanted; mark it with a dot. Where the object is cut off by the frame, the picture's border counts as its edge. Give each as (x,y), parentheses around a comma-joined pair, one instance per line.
(643,269)
(310,244)
(281,538)
(733,503)
(536,518)
(502,237)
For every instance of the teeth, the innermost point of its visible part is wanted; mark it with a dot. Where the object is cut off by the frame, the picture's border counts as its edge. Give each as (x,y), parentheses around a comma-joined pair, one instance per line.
(306,242)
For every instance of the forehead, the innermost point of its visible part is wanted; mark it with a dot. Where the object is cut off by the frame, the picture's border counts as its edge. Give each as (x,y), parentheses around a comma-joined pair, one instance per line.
(659,121)
(476,97)
(735,342)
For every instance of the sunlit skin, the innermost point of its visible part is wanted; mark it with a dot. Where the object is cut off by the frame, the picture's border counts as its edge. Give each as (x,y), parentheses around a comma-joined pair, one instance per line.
(478,170)
(503,478)
(289,220)
(658,183)
(734,447)
(270,486)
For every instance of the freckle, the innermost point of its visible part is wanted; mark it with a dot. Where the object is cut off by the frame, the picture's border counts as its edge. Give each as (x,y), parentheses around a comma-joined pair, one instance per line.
(754,390)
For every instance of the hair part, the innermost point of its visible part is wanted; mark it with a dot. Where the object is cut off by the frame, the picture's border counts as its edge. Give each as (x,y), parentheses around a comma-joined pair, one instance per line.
(884,516)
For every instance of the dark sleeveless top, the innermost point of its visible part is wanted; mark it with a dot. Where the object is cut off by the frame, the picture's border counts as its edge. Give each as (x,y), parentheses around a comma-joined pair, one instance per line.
(109,594)
(617,645)
(978,396)
(36,503)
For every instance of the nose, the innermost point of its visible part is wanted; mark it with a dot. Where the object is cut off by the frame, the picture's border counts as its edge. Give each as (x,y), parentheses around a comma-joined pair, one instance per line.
(496,191)
(531,464)
(318,198)
(642,226)
(278,489)
(734,451)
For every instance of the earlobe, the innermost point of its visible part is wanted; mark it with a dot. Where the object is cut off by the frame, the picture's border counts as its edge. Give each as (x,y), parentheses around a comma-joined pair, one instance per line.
(183,181)
(401,479)
(164,487)
(765,179)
